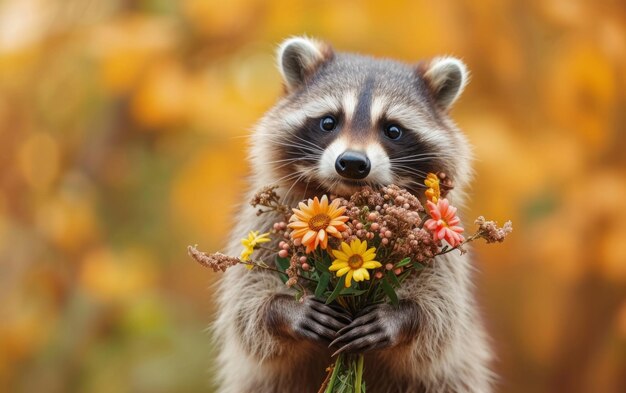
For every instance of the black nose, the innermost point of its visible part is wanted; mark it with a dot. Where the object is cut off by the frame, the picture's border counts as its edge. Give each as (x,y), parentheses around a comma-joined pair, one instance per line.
(353,165)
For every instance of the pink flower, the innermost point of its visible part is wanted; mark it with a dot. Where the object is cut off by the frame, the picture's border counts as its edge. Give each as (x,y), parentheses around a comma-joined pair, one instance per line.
(444,222)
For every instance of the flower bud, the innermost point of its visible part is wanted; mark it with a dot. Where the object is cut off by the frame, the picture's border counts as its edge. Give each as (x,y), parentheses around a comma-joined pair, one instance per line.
(378,275)
(389,266)
(306,267)
(283,253)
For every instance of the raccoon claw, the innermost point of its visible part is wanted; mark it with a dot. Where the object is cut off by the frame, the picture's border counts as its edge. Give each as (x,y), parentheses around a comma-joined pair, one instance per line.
(376,327)
(320,322)
(332,311)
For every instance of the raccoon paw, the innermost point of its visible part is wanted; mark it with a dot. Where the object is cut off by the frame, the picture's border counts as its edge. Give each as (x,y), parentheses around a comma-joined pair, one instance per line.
(377,327)
(310,319)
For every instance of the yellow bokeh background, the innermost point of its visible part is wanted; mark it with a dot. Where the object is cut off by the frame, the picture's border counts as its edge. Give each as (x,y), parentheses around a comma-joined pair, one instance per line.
(123,127)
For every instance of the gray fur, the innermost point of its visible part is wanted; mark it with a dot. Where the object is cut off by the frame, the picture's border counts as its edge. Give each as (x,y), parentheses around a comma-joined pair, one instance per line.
(448,352)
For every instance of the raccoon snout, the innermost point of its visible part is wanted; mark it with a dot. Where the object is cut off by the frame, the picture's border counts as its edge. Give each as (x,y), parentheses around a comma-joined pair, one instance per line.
(353,165)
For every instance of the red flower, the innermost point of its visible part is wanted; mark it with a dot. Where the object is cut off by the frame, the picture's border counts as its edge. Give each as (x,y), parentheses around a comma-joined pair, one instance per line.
(444,222)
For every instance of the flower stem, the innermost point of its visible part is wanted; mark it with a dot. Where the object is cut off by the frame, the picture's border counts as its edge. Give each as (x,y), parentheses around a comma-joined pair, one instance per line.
(333,377)
(359,374)
(468,240)
(273,270)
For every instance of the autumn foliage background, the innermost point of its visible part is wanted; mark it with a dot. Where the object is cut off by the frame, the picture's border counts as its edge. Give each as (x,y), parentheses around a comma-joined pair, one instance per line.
(122,134)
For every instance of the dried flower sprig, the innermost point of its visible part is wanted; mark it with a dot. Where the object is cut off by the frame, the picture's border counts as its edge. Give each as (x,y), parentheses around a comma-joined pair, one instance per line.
(490,231)
(221,262)
(268,198)
(216,262)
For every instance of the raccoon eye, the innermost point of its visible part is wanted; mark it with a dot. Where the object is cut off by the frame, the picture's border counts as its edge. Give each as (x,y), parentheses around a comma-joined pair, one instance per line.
(392,131)
(328,123)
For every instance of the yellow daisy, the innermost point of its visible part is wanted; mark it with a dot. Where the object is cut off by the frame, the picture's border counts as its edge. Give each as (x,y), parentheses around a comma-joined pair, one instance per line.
(354,260)
(250,243)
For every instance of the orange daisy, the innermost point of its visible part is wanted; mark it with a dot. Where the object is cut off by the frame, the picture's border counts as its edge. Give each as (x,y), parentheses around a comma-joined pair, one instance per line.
(314,221)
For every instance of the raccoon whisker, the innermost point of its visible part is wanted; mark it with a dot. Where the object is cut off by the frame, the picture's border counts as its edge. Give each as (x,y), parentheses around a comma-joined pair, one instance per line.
(333,184)
(406,182)
(409,181)
(283,165)
(287,177)
(424,154)
(305,190)
(406,171)
(303,176)
(420,158)
(283,160)
(299,146)
(309,157)
(243,136)
(310,145)
(303,140)
(413,171)
(415,160)
(290,160)
(306,141)
(408,162)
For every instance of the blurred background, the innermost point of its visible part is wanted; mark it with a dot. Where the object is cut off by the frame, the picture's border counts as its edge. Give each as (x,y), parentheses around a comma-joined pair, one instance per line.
(122,135)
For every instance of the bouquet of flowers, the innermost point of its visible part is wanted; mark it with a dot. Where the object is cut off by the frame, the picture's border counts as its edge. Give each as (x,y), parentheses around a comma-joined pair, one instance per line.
(356,252)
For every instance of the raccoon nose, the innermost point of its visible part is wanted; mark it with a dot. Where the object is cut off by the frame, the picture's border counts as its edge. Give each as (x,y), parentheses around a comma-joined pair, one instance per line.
(353,165)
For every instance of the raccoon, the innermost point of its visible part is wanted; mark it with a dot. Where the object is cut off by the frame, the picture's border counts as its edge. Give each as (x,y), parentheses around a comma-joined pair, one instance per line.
(346,121)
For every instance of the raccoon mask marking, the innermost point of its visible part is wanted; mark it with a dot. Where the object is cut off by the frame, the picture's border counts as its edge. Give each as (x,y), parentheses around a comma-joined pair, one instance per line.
(347,121)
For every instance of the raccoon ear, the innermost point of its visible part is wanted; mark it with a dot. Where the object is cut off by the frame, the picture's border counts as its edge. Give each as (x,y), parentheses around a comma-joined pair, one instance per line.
(299,58)
(446,77)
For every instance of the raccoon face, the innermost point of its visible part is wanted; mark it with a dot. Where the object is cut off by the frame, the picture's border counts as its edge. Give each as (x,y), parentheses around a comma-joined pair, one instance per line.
(347,121)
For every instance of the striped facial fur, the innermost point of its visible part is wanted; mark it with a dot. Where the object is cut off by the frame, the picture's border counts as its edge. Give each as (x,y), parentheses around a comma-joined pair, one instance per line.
(348,121)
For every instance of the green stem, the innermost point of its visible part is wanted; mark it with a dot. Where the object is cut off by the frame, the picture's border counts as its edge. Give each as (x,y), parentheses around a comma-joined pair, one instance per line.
(273,270)
(359,374)
(468,240)
(333,376)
